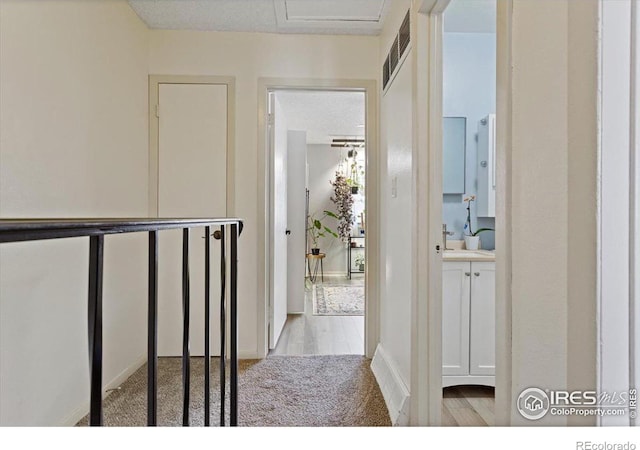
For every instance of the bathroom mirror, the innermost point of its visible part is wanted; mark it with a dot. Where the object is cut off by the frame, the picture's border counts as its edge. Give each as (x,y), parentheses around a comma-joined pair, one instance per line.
(454,140)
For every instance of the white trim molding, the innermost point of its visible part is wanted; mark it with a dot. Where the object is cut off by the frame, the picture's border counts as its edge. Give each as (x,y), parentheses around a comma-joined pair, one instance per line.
(75,416)
(634,267)
(394,390)
(426,335)
(615,216)
(370,89)
(154,125)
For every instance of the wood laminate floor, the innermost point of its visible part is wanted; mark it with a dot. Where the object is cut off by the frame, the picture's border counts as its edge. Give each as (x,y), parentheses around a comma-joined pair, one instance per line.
(468,406)
(306,334)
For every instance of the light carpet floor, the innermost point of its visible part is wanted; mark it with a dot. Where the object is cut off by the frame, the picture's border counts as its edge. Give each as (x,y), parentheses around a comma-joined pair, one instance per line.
(275,391)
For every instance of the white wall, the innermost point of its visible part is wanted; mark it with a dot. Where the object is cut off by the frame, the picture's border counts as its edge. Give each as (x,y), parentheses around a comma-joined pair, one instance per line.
(323,162)
(396,132)
(553,197)
(73,143)
(249,56)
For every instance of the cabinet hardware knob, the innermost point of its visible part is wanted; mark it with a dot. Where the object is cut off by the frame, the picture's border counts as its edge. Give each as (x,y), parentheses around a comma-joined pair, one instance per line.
(477,274)
(468,274)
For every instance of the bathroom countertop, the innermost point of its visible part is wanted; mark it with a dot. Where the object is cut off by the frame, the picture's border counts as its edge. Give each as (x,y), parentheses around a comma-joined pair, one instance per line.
(469,255)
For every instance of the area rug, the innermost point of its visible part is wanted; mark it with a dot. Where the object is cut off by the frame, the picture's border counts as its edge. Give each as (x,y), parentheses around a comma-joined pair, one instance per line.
(275,391)
(338,300)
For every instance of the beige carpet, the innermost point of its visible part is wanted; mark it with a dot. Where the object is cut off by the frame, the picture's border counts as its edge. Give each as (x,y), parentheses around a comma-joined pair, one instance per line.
(275,391)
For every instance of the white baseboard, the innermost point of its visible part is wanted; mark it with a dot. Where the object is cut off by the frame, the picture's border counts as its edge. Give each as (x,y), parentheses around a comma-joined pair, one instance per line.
(83,409)
(394,390)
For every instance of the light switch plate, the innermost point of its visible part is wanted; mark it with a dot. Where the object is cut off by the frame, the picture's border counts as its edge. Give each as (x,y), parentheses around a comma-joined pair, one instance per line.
(394,187)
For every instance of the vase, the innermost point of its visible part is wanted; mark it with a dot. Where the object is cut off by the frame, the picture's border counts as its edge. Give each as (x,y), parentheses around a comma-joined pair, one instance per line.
(472,242)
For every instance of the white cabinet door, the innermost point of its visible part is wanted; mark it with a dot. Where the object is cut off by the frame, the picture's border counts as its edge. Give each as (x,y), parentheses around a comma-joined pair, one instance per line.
(455,317)
(483,299)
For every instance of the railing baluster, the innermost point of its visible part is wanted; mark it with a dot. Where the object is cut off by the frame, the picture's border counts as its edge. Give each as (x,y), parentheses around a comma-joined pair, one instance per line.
(233,421)
(96,253)
(186,367)
(19,230)
(207,318)
(223,325)
(152,333)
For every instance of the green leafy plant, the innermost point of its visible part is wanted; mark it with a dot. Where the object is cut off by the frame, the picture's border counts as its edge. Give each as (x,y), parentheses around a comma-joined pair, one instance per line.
(477,232)
(355,171)
(359,260)
(317,229)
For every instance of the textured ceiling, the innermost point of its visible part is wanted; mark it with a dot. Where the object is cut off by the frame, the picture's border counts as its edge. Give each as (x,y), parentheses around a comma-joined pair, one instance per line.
(470,16)
(324,115)
(270,16)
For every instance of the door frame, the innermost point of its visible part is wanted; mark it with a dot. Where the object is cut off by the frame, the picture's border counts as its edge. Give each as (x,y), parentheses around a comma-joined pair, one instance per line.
(617,202)
(426,348)
(370,89)
(154,127)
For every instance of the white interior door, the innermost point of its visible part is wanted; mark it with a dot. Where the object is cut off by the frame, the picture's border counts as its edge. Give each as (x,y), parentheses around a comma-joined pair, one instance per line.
(296,193)
(192,155)
(278,302)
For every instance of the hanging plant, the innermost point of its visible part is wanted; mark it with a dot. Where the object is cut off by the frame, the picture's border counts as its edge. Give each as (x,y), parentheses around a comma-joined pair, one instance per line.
(344,205)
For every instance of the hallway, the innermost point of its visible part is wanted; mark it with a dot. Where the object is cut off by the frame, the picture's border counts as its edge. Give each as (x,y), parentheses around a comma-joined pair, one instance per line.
(308,334)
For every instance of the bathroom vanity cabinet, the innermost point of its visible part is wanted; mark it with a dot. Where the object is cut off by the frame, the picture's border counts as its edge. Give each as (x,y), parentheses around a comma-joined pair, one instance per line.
(468,326)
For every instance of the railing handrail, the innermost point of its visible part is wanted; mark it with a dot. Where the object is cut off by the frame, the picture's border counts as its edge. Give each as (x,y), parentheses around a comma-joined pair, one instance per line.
(17,230)
(22,230)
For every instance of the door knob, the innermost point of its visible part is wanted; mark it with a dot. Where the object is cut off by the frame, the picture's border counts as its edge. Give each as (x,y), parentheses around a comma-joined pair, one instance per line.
(288,232)
(217,234)
(468,274)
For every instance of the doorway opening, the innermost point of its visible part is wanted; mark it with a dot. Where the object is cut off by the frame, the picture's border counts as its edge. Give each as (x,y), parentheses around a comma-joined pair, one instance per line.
(468,213)
(317,147)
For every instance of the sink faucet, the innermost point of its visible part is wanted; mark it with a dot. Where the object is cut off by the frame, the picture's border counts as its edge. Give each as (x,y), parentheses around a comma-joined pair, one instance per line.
(445,233)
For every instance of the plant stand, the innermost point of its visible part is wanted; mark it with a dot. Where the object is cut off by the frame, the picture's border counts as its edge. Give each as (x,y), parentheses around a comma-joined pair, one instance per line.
(350,269)
(317,259)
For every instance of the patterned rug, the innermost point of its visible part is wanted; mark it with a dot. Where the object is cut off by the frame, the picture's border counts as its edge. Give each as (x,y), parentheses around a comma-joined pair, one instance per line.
(338,300)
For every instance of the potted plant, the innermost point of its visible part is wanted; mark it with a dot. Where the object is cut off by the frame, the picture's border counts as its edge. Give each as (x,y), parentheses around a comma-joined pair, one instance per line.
(317,229)
(359,261)
(472,238)
(355,171)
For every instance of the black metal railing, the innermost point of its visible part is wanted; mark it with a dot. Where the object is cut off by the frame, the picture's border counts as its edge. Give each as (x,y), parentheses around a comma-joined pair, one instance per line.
(38,229)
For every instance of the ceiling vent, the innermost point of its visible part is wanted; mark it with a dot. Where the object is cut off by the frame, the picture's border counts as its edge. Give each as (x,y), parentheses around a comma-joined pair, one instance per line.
(397,52)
